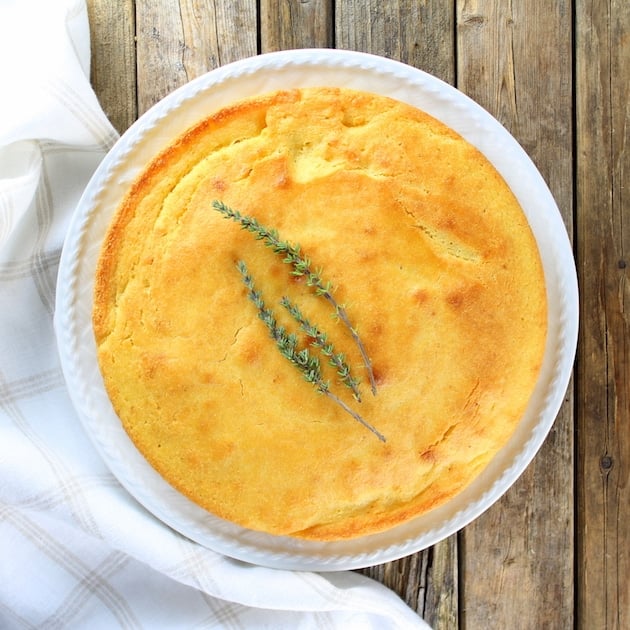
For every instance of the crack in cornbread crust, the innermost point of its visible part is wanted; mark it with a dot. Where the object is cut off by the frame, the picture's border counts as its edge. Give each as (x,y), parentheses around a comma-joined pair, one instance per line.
(427,248)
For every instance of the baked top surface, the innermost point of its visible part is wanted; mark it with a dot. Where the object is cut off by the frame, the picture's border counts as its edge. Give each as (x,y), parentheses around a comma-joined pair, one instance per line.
(424,244)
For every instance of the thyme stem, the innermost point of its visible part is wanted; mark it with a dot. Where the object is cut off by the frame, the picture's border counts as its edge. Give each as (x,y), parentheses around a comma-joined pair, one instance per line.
(308,364)
(301,267)
(355,415)
(319,340)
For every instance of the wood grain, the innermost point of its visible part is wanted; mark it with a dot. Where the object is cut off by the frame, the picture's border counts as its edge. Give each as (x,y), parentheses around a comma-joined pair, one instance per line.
(603,239)
(420,34)
(113,61)
(287,24)
(178,41)
(442,603)
(517,559)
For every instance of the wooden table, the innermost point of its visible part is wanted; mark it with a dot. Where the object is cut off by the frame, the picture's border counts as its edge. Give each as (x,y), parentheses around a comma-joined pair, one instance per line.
(554,552)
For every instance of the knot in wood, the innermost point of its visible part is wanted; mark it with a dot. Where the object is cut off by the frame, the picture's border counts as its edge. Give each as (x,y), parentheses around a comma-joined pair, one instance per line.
(606,463)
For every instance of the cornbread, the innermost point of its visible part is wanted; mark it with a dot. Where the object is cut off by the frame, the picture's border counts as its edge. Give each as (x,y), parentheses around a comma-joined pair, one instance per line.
(425,246)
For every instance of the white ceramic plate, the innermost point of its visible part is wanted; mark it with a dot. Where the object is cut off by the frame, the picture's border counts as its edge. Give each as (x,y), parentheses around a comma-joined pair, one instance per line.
(172,116)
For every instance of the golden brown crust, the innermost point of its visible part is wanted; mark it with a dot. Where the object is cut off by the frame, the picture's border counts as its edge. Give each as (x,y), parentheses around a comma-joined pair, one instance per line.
(427,248)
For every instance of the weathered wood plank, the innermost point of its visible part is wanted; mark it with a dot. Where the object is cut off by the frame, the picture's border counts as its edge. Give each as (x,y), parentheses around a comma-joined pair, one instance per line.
(427,581)
(113,70)
(288,24)
(603,239)
(418,33)
(517,559)
(178,41)
(442,598)
(422,35)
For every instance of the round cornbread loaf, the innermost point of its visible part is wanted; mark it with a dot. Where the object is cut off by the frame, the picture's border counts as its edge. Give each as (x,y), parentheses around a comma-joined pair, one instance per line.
(425,246)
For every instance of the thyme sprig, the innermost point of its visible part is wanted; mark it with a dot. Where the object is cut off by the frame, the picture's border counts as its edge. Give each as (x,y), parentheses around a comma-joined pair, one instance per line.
(303,360)
(319,339)
(302,266)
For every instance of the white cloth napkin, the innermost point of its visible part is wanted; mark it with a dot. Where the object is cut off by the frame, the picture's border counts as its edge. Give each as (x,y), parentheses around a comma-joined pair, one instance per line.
(76,551)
